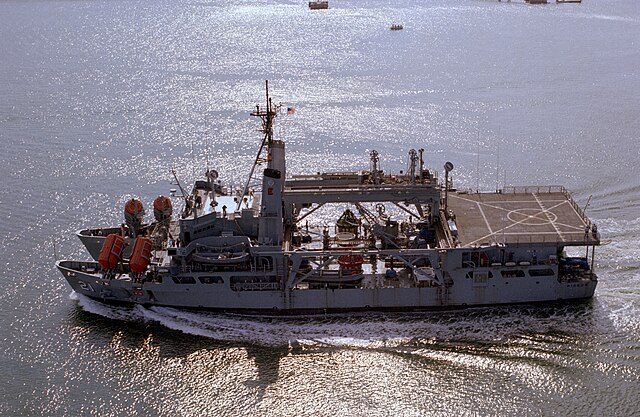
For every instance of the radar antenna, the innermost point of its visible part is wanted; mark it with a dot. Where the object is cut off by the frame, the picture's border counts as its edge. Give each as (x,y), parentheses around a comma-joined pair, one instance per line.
(267,117)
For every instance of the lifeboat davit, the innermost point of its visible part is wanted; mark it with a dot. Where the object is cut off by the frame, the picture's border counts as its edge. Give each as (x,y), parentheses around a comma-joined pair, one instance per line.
(111,251)
(162,208)
(141,254)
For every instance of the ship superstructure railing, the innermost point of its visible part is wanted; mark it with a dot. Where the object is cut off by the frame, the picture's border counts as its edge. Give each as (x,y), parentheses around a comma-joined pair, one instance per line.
(255,286)
(243,267)
(449,240)
(354,180)
(576,238)
(567,238)
(538,189)
(576,207)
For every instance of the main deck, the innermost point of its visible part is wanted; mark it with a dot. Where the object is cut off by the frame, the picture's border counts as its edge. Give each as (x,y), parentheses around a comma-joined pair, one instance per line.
(521,215)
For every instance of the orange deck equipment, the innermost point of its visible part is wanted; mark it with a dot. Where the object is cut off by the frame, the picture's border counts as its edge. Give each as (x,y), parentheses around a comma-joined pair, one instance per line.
(111,251)
(141,254)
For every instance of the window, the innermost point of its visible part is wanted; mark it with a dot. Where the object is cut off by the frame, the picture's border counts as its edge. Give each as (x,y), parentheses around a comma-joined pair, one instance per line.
(516,273)
(184,280)
(541,272)
(211,280)
(470,274)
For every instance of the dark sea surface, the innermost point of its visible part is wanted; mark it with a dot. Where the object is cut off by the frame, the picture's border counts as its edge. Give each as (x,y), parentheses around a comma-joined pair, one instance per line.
(100,99)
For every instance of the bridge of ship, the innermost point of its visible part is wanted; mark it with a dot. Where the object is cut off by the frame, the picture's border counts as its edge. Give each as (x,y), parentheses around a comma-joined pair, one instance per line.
(521,215)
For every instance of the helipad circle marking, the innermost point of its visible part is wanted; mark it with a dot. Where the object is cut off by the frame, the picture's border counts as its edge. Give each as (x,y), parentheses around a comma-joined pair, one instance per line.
(531,217)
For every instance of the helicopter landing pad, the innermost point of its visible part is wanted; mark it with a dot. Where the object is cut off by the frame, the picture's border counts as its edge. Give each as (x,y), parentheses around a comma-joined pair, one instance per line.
(525,216)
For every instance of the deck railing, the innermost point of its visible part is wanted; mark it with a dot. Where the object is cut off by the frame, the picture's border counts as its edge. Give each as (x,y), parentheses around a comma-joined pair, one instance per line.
(528,189)
(577,208)
(448,237)
(255,286)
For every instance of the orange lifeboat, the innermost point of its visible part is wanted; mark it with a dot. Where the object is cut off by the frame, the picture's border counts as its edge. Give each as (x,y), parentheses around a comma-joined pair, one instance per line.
(111,251)
(141,254)
(162,208)
(133,211)
(134,207)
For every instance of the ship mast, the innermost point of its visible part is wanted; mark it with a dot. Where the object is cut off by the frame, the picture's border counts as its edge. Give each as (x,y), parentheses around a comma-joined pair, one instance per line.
(267,116)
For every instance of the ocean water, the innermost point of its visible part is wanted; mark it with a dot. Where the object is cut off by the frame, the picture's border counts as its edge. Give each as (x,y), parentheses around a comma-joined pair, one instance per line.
(99,100)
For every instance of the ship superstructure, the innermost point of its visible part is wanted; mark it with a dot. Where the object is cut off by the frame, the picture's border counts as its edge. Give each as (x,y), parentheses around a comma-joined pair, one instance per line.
(343,241)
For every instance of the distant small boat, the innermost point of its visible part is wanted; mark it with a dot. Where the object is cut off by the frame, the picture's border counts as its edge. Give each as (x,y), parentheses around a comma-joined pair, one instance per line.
(396,27)
(318,5)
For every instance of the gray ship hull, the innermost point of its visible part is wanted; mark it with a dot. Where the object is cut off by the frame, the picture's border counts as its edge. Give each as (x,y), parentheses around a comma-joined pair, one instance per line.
(222,297)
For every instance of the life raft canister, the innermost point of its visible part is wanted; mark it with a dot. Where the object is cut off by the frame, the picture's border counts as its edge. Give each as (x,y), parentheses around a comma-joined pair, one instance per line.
(162,208)
(351,261)
(141,254)
(111,251)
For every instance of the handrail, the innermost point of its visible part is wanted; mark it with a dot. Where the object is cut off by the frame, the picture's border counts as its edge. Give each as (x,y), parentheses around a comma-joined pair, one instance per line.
(447,232)
(255,286)
(527,189)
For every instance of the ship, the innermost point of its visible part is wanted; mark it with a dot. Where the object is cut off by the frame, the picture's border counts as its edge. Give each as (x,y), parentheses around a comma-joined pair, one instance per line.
(341,242)
(318,5)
